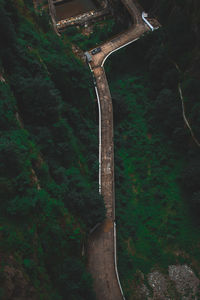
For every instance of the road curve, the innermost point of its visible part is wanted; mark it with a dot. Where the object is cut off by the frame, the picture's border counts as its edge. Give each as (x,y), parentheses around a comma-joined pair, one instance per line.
(101,245)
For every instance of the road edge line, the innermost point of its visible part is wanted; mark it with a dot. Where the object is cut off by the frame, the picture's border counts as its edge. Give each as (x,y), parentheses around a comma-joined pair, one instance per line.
(115,260)
(103,62)
(99,107)
(147,22)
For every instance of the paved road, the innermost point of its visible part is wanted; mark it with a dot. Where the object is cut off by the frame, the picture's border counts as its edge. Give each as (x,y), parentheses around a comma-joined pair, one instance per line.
(101,244)
(101,261)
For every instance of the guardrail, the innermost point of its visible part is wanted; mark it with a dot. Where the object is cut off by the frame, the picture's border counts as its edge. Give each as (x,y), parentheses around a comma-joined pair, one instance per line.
(144,16)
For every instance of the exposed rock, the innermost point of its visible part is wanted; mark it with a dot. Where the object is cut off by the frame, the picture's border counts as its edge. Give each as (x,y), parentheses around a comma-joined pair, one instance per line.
(186,282)
(159,285)
(180,284)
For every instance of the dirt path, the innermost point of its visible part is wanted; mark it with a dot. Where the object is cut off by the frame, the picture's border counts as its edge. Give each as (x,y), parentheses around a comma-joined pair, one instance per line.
(101,246)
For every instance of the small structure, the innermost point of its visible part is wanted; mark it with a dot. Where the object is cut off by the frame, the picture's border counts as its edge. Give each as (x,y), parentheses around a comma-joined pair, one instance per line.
(144,16)
(88,57)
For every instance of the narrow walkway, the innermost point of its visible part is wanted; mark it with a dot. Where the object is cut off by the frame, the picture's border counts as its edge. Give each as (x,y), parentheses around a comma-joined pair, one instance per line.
(101,246)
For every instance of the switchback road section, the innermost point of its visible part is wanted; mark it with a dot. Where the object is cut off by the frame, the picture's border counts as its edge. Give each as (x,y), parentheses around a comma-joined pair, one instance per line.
(102,243)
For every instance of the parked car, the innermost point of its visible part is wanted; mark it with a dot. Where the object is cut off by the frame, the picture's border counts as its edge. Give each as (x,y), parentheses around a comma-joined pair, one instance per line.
(96,50)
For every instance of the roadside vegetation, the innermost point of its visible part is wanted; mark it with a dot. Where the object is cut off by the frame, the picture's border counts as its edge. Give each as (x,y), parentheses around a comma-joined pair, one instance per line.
(156,159)
(97,34)
(49,150)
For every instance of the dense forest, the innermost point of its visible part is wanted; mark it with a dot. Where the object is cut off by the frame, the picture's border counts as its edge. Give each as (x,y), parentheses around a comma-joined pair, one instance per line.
(157,160)
(49,151)
(48,158)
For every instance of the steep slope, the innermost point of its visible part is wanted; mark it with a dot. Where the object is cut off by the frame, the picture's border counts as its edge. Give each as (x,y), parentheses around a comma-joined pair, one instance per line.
(49,166)
(48,154)
(157,158)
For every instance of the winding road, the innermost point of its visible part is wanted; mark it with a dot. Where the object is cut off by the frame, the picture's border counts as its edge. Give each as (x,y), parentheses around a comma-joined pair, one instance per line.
(102,242)
(101,251)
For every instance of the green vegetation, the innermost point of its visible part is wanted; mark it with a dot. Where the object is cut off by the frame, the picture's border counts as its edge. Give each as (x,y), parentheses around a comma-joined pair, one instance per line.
(48,158)
(49,150)
(156,159)
(101,32)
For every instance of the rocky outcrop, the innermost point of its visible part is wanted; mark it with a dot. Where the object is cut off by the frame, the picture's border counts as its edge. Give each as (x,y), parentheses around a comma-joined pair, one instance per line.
(186,282)
(180,283)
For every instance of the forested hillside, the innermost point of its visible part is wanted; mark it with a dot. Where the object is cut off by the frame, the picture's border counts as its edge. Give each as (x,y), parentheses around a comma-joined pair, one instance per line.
(48,160)
(49,154)
(157,157)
